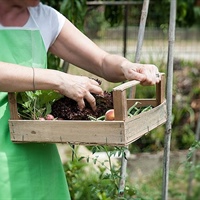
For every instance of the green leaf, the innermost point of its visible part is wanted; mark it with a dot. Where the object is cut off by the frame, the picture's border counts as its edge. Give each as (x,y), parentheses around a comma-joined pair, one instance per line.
(36,104)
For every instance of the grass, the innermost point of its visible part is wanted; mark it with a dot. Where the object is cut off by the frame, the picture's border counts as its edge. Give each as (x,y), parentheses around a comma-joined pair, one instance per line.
(150,187)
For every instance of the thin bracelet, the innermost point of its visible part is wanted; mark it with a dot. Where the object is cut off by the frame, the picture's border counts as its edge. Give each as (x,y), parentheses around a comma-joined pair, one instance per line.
(33,78)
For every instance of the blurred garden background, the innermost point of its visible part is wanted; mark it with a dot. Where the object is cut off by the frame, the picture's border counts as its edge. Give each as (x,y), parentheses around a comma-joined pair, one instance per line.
(113,25)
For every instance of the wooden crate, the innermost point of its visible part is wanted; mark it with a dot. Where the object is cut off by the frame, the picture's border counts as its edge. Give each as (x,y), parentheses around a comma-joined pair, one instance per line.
(121,132)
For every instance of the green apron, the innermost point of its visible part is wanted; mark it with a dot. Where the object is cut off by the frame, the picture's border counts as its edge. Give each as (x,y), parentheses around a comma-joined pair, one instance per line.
(27,171)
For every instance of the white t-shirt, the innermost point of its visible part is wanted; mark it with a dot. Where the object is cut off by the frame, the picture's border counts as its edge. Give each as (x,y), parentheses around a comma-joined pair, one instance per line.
(47,20)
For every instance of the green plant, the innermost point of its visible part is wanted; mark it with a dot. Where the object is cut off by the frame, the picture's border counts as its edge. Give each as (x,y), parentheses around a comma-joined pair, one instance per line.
(94,24)
(100,182)
(75,11)
(192,166)
(113,14)
(33,105)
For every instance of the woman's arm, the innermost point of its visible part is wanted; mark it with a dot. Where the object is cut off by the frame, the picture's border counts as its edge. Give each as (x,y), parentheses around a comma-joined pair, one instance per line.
(74,47)
(16,78)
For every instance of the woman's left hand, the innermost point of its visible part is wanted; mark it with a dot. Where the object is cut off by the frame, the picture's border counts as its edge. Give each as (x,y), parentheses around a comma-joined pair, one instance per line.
(147,74)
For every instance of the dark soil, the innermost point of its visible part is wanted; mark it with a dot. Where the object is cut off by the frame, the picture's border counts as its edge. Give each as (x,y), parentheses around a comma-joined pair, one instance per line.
(67,109)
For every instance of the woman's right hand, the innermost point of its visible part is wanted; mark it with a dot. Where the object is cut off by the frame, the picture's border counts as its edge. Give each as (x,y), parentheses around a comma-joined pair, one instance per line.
(79,88)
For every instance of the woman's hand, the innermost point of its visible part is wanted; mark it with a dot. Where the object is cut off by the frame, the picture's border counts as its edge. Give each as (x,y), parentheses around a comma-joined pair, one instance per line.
(147,74)
(79,88)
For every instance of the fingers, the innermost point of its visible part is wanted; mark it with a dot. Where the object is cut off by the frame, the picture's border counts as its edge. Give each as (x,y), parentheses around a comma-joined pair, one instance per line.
(146,74)
(85,93)
(90,99)
(152,76)
(158,77)
(95,88)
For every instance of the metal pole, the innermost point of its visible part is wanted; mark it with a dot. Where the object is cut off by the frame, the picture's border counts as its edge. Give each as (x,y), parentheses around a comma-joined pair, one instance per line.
(167,140)
(137,59)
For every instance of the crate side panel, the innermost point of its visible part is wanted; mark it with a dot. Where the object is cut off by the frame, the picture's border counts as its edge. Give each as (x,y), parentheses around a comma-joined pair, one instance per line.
(77,132)
(143,123)
(142,102)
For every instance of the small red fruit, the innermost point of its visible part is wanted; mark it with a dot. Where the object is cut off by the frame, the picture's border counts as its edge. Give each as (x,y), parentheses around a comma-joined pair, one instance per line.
(110,115)
(49,117)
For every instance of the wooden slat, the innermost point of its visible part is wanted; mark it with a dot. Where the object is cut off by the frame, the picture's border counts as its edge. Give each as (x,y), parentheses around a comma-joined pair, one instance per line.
(143,102)
(120,104)
(160,90)
(75,132)
(120,99)
(13,105)
(143,123)
(126,85)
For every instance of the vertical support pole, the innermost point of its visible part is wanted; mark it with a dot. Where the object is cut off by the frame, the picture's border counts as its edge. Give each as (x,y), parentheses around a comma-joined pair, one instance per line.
(167,139)
(125,30)
(143,19)
(140,39)
(141,31)
(123,173)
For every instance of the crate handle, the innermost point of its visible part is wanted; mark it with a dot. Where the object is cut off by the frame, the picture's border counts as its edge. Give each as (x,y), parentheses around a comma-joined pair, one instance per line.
(120,96)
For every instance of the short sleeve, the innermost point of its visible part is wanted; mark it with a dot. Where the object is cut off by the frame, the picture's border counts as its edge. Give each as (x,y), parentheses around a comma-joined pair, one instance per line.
(49,22)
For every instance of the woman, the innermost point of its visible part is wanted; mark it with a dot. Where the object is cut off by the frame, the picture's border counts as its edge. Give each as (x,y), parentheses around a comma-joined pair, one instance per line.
(28,30)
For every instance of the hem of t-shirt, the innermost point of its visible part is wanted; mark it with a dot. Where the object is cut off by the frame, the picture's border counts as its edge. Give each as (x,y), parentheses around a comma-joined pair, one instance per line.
(17,28)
